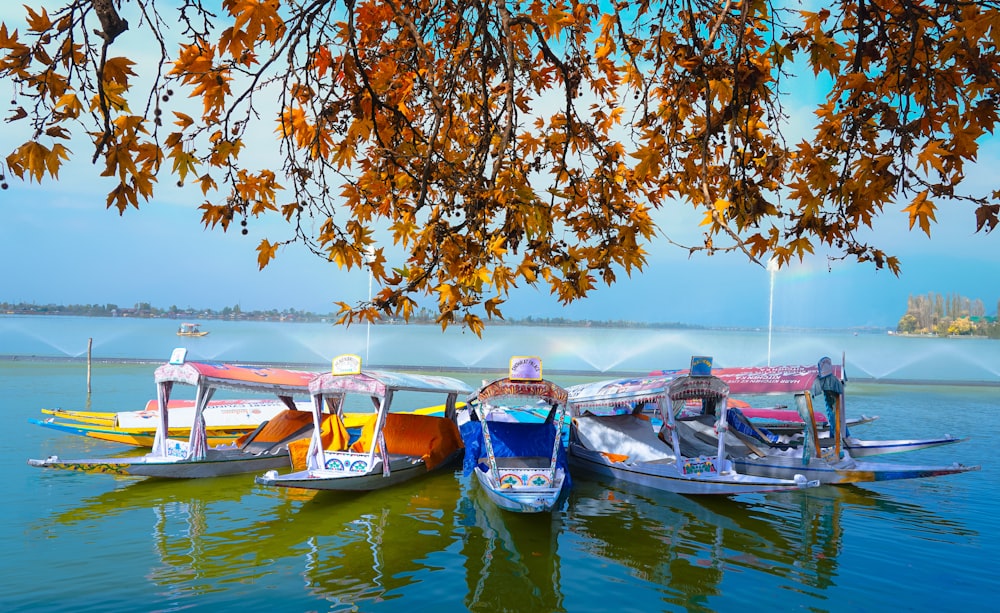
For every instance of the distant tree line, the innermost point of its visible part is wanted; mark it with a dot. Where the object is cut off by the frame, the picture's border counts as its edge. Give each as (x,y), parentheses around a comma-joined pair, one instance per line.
(423,316)
(147,310)
(948,315)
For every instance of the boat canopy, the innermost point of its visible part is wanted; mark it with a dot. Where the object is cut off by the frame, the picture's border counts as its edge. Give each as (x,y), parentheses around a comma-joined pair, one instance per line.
(207,377)
(690,388)
(765,379)
(620,392)
(242,378)
(510,391)
(379,382)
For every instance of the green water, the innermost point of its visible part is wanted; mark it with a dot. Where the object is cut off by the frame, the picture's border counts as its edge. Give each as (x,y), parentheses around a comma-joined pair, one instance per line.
(82,542)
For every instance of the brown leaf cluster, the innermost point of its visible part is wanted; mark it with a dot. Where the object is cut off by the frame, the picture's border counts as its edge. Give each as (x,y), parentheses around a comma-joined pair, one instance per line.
(502,145)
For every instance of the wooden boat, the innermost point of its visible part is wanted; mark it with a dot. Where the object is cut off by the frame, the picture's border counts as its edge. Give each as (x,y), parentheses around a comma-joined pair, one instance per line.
(262,449)
(188,329)
(225,421)
(521,465)
(782,420)
(778,418)
(393,447)
(624,446)
(828,459)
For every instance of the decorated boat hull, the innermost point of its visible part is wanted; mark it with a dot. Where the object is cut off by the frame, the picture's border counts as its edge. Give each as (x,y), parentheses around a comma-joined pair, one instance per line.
(665,476)
(401,469)
(525,498)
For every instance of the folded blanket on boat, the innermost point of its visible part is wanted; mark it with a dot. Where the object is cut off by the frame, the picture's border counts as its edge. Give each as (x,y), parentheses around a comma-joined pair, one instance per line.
(333,434)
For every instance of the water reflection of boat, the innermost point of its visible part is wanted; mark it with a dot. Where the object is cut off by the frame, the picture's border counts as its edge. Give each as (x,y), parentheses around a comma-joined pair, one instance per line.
(388,541)
(684,544)
(511,559)
(688,545)
(352,549)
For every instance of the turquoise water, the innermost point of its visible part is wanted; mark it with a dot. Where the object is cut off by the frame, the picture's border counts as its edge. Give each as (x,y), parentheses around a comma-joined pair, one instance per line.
(76,542)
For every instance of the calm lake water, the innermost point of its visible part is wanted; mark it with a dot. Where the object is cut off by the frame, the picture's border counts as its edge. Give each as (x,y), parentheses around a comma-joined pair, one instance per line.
(76,542)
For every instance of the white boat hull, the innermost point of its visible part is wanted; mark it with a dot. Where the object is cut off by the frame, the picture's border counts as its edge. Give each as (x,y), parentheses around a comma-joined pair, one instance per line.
(522,499)
(665,476)
(861,449)
(217,463)
(847,470)
(401,469)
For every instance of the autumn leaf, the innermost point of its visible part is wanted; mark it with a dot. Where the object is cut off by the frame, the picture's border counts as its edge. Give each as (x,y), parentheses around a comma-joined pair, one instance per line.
(931,155)
(921,211)
(266,252)
(497,145)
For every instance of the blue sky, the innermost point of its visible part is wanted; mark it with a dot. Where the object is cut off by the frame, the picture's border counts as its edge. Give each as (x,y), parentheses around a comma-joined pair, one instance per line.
(63,246)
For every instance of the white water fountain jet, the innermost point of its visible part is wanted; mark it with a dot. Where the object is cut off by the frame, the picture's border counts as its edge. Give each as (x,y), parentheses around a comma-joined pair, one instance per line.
(369,256)
(324,346)
(54,345)
(772,268)
(474,355)
(933,359)
(215,351)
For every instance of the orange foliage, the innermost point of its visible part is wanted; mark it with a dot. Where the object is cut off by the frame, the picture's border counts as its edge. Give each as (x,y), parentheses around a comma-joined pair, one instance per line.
(501,145)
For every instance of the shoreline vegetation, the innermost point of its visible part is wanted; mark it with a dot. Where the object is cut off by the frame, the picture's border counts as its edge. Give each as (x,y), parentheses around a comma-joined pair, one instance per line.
(423,317)
(950,315)
(931,315)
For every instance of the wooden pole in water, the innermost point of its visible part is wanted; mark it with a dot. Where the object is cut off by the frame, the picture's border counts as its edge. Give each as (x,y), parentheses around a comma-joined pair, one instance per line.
(90,347)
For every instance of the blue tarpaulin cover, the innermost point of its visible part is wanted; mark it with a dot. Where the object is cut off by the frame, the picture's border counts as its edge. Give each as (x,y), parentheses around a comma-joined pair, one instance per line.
(511,440)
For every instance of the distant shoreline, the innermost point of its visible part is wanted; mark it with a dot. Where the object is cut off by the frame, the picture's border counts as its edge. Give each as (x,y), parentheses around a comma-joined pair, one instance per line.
(553,322)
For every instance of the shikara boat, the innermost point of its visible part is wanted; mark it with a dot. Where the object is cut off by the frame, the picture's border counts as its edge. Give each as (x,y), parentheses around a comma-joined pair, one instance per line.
(520,464)
(828,459)
(225,421)
(624,445)
(264,448)
(188,329)
(777,418)
(393,446)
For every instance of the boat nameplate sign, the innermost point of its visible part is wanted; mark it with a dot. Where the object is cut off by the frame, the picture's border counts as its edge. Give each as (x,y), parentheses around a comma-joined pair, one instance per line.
(701,366)
(525,368)
(347,364)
